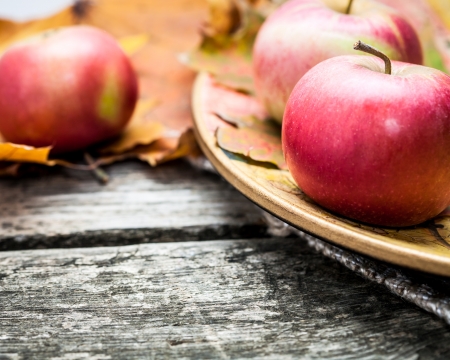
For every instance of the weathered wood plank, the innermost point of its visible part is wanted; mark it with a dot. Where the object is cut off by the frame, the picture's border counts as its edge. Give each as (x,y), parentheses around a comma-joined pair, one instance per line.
(271,298)
(140,204)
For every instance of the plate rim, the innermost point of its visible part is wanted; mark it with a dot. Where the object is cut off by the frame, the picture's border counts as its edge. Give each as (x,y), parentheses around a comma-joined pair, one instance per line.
(340,236)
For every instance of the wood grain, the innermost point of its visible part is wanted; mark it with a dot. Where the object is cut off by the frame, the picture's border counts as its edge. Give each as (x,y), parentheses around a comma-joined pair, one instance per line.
(140,204)
(271,298)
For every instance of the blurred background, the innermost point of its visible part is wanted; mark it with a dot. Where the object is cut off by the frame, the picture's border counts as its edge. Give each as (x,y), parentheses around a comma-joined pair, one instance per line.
(23,10)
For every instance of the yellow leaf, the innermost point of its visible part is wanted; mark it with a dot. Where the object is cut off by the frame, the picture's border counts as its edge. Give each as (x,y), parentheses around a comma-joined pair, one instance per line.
(134,43)
(22,153)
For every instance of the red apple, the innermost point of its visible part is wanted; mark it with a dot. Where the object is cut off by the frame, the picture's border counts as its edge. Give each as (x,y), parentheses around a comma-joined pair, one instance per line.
(371,146)
(68,88)
(302,33)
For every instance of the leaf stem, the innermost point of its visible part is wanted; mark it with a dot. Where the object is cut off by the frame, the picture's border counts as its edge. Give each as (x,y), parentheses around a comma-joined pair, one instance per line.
(98,172)
(349,7)
(359,45)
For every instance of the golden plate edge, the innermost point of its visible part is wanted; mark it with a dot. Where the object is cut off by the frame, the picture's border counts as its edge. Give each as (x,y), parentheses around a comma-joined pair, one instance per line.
(361,243)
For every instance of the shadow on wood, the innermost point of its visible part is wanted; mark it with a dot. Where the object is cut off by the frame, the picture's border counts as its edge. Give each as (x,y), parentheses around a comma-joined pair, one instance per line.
(171,202)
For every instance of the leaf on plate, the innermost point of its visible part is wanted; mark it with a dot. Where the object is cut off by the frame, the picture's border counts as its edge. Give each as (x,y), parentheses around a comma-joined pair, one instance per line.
(239,122)
(258,139)
(223,101)
(265,126)
(256,145)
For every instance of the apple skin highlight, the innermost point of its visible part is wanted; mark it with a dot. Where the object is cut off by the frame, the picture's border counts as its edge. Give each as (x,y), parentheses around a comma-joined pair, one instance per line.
(370,146)
(67,88)
(302,33)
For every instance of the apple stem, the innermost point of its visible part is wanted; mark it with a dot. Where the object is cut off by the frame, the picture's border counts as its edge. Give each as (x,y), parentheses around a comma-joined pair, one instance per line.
(359,45)
(349,7)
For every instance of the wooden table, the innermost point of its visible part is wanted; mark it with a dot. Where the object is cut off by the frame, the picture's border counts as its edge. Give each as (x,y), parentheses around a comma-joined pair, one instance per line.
(173,262)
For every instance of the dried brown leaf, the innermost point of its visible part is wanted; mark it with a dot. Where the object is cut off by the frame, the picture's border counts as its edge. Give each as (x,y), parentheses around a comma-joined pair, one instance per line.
(187,145)
(160,151)
(167,149)
(155,153)
(152,154)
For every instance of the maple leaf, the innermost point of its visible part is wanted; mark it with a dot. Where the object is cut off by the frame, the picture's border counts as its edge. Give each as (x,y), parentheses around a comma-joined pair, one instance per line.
(259,140)
(238,121)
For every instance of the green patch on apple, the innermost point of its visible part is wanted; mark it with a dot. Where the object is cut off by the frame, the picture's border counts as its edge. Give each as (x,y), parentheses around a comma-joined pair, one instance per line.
(110,105)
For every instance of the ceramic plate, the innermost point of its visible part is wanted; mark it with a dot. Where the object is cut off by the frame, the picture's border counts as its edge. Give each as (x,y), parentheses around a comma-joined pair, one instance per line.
(425,247)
